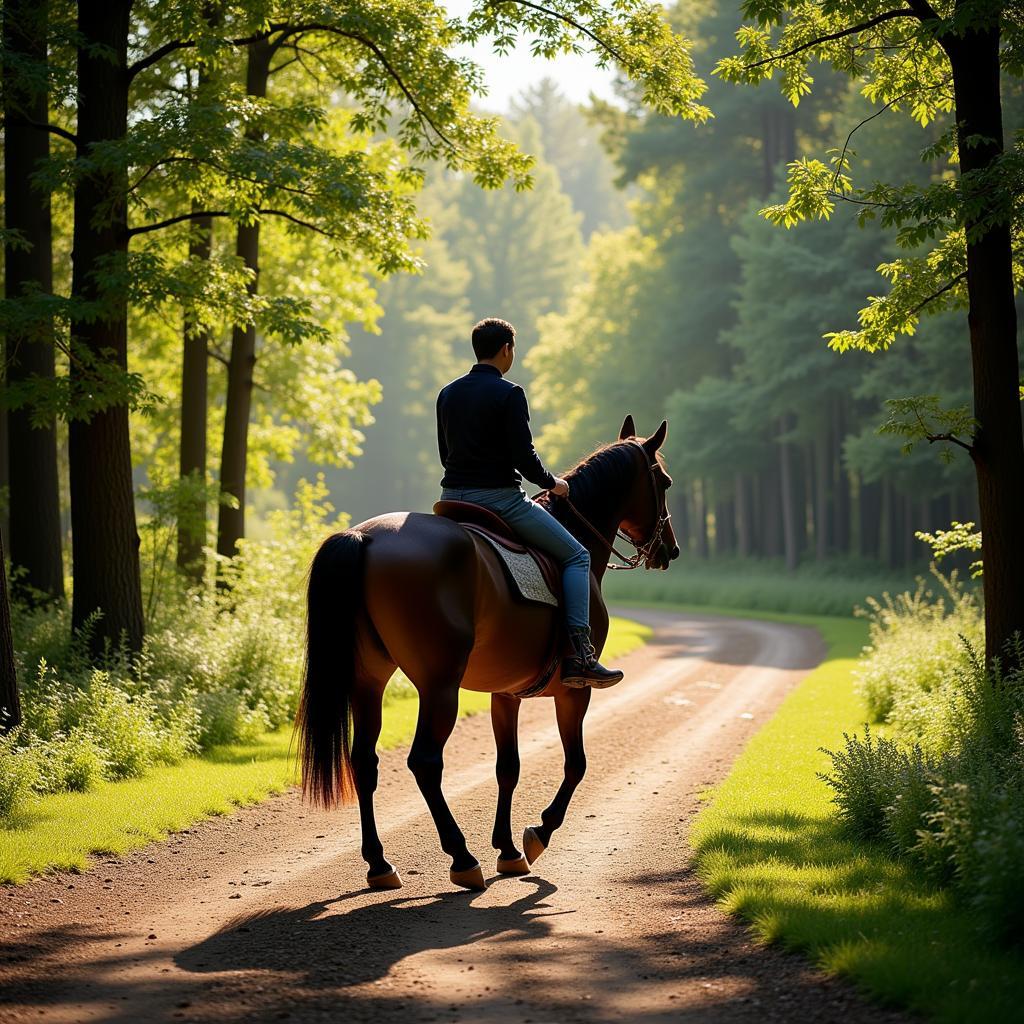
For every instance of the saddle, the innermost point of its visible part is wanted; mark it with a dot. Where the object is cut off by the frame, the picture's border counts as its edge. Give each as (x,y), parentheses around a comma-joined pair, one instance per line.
(493,528)
(533,575)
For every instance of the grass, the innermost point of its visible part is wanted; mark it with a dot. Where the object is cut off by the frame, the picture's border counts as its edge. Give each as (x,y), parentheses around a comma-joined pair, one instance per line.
(62,831)
(770,850)
(834,587)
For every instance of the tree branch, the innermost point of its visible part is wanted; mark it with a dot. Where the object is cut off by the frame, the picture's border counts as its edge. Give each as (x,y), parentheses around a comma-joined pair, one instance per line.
(941,291)
(294,30)
(53,129)
(568,21)
(903,12)
(951,438)
(212,353)
(144,229)
(871,117)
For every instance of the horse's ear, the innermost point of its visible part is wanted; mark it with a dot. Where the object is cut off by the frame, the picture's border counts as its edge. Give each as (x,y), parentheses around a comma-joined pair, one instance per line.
(657,439)
(628,429)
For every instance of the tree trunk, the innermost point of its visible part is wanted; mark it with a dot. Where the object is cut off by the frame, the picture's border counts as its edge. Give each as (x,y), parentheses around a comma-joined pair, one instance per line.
(242,362)
(771,503)
(822,471)
(870,511)
(841,532)
(192,456)
(788,499)
(742,516)
(10,700)
(681,511)
(725,539)
(998,448)
(105,539)
(34,510)
(888,525)
(700,520)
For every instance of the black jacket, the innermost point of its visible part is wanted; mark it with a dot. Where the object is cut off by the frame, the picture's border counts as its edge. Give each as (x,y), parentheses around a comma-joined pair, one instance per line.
(483,432)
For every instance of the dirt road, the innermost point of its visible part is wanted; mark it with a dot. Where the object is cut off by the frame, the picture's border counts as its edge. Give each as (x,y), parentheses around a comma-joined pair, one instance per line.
(264,915)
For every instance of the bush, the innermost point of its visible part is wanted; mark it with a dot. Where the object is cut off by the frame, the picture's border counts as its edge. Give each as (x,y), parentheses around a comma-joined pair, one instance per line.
(916,646)
(220,664)
(16,774)
(946,786)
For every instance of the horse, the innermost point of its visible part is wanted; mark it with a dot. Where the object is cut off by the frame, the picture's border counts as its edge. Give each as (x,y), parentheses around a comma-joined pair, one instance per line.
(419,592)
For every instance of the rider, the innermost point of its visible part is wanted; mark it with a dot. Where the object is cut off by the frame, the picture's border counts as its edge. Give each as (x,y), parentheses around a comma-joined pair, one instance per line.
(483,436)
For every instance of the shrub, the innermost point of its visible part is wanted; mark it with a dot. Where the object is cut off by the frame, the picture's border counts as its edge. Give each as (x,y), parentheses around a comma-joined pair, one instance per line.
(946,787)
(219,664)
(16,775)
(914,650)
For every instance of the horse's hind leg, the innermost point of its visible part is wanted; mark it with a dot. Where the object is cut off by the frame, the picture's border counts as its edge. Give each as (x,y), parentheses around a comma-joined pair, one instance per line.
(505,723)
(367,698)
(439,708)
(570,709)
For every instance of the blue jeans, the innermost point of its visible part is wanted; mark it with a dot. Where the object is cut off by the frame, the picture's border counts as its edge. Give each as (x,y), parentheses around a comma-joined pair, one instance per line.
(538,528)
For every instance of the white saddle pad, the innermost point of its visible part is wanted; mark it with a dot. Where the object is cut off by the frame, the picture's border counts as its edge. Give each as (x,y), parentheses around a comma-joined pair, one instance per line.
(525,572)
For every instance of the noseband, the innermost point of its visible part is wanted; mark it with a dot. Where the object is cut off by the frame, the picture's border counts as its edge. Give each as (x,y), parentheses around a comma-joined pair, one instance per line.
(644,549)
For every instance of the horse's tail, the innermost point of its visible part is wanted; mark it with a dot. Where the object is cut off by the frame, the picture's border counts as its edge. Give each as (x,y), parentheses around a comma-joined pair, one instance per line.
(333,599)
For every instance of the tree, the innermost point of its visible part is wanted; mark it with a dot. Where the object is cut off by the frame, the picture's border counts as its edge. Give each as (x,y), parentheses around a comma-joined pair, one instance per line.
(35,531)
(909,57)
(10,701)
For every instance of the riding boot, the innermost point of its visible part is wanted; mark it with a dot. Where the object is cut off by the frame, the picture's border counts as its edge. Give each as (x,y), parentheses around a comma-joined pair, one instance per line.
(581,668)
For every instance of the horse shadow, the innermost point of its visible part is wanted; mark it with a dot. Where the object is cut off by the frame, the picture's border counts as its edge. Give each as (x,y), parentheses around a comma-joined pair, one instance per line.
(361,945)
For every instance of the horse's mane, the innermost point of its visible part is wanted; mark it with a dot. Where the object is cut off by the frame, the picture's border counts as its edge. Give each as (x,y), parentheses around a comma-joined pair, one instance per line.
(602,471)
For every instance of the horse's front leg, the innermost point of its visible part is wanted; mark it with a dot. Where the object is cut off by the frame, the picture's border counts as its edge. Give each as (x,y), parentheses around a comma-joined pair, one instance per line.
(439,708)
(505,723)
(570,709)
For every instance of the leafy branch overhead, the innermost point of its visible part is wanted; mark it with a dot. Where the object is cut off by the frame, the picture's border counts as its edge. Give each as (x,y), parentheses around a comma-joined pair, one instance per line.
(901,54)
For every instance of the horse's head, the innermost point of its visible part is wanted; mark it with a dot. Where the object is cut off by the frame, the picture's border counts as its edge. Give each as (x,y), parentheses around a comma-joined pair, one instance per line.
(647,521)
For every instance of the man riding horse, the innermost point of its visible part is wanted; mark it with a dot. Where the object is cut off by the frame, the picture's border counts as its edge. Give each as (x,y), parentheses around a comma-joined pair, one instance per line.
(486,448)
(432,597)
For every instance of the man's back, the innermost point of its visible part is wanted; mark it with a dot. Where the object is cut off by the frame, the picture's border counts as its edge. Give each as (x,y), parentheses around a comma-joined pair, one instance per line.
(483,432)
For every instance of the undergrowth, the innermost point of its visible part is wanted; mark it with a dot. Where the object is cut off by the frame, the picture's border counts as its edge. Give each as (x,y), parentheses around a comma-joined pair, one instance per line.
(943,786)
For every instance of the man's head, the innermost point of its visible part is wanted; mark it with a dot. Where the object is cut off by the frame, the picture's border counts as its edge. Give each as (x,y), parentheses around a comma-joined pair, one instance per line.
(494,342)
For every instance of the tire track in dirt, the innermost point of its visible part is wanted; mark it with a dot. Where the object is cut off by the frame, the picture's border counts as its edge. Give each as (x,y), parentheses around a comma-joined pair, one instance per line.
(264,915)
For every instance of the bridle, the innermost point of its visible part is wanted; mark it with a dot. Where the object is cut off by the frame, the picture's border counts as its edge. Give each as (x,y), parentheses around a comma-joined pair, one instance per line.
(644,549)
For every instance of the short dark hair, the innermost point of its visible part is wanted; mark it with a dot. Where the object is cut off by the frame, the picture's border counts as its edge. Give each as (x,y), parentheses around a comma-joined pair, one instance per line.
(491,335)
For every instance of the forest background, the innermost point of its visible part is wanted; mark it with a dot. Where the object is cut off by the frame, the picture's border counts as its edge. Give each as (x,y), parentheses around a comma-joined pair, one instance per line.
(282,235)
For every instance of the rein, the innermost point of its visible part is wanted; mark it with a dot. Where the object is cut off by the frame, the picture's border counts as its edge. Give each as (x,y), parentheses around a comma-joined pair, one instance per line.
(644,549)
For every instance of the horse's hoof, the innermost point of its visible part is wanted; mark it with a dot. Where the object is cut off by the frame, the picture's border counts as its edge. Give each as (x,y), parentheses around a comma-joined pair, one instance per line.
(389,880)
(471,878)
(515,866)
(533,847)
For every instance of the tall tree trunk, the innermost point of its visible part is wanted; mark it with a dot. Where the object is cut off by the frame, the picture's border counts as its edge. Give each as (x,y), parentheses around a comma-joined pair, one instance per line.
(771,504)
(192,455)
(242,362)
(742,516)
(998,448)
(788,498)
(725,538)
(887,526)
(870,513)
(34,510)
(841,532)
(822,471)
(700,519)
(105,539)
(681,512)
(10,700)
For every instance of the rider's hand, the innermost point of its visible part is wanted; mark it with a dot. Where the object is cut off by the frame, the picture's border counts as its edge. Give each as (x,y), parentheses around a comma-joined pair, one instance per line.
(561,488)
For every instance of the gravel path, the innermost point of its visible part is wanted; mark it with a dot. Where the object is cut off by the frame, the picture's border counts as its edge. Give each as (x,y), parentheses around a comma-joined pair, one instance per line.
(264,915)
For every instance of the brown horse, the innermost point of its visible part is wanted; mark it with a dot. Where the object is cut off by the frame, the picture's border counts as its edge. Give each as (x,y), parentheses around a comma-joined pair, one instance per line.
(421,593)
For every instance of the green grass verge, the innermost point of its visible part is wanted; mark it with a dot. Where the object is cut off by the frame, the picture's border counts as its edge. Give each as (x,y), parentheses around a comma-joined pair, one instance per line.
(770,850)
(63,830)
(830,588)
